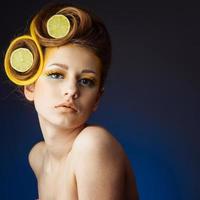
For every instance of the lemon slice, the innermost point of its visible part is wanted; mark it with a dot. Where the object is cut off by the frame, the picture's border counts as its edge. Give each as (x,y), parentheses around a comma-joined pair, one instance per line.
(21,59)
(58,26)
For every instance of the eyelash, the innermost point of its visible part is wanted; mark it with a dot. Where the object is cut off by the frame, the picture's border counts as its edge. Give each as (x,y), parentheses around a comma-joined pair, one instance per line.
(50,73)
(90,81)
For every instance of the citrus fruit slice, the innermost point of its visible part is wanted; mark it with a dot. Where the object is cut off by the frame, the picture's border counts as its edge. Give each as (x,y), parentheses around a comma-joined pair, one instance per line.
(21,59)
(58,26)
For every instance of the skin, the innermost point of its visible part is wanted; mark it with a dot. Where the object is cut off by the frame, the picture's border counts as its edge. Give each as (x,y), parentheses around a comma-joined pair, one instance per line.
(75,160)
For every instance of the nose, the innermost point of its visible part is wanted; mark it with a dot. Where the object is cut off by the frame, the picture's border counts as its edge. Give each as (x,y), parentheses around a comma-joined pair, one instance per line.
(71,90)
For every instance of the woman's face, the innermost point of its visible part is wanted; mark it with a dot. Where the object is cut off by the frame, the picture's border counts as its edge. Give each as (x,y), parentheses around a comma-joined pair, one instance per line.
(68,90)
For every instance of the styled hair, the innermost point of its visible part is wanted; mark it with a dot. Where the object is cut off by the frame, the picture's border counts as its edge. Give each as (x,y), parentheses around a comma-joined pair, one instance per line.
(86,30)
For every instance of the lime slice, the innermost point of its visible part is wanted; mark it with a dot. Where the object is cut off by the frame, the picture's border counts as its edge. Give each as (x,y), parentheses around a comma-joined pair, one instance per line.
(21,59)
(58,26)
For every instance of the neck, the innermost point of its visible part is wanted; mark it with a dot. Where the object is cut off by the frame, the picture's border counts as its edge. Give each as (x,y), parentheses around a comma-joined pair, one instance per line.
(58,141)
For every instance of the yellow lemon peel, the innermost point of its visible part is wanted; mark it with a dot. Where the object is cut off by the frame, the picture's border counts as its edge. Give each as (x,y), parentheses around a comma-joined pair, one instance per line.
(7,64)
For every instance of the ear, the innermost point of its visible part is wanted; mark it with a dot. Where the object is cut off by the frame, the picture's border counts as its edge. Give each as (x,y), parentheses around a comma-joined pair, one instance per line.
(29,91)
(98,99)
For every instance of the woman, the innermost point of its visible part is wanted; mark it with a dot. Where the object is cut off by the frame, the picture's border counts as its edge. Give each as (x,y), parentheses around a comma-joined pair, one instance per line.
(61,66)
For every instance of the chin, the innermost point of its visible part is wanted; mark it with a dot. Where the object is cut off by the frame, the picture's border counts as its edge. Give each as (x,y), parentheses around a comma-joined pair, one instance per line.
(61,122)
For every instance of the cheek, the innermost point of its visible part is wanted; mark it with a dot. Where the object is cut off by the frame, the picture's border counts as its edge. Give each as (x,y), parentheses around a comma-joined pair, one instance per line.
(89,100)
(45,89)
(45,94)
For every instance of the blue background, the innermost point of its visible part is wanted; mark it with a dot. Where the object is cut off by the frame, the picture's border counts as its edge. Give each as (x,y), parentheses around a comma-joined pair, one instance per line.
(151,101)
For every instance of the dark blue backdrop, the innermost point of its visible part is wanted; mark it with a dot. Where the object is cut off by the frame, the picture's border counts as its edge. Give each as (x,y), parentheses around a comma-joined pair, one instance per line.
(151,102)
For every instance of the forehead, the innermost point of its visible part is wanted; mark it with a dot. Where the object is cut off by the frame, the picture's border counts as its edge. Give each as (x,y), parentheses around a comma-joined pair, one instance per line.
(72,55)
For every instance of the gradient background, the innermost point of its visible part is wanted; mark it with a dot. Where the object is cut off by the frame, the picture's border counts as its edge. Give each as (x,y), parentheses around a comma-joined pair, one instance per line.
(151,102)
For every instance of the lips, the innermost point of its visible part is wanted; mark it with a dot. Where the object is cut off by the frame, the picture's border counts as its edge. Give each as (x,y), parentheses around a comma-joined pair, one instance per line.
(67,105)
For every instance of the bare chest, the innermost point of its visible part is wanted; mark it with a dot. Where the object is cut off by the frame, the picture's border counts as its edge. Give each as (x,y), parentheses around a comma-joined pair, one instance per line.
(58,183)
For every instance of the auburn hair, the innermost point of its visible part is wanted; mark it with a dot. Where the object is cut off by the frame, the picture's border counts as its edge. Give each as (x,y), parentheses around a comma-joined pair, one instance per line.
(86,30)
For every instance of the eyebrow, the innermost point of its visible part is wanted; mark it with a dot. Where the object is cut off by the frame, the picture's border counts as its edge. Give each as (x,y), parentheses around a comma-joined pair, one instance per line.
(66,68)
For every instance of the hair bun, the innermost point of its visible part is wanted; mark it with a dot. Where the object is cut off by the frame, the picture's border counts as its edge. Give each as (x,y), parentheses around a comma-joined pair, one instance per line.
(79,23)
(18,64)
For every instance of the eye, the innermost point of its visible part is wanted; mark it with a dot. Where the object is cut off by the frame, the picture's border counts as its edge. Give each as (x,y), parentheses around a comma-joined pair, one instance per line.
(85,82)
(55,75)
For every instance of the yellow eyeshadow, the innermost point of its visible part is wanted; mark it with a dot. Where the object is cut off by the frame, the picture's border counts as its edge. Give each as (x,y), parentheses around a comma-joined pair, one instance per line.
(56,71)
(89,77)
(53,71)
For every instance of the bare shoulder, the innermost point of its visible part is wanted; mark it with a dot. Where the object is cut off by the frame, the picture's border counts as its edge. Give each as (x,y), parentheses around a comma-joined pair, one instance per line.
(97,138)
(97,144)
(99,164)
(36,156)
